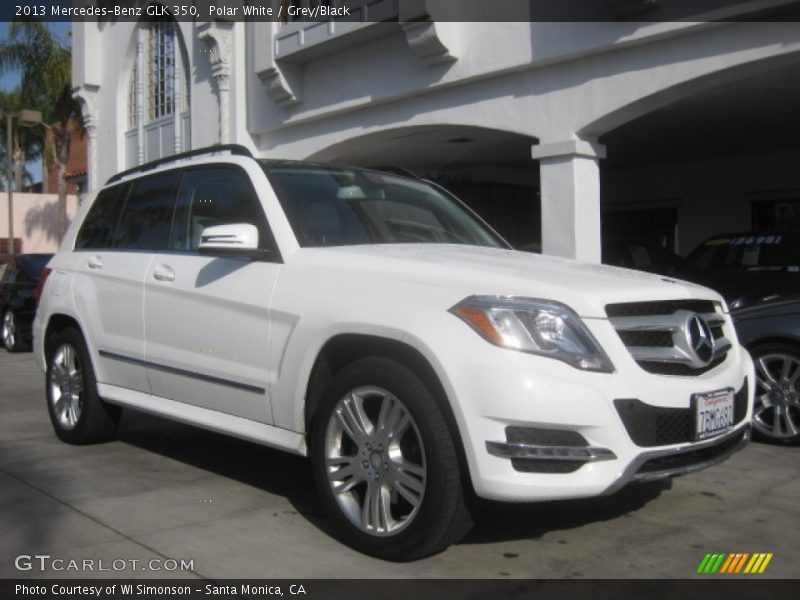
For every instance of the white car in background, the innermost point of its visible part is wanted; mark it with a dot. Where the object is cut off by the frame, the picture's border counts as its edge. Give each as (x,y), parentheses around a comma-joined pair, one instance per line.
(373,323)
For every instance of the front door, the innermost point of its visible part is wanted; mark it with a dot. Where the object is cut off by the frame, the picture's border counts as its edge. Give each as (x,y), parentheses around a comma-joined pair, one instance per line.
(207,318)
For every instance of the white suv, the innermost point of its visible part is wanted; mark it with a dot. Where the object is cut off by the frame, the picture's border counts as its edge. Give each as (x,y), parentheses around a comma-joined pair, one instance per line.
(373,323)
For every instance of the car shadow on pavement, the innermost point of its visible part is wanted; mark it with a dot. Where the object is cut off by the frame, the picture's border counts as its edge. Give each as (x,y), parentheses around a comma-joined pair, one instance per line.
(500,521)
(289,476)
(252,464)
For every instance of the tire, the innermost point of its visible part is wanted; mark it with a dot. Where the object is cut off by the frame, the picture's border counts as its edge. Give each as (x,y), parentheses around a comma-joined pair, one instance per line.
(12,336)
(776,411)
(76,411)
(385,464)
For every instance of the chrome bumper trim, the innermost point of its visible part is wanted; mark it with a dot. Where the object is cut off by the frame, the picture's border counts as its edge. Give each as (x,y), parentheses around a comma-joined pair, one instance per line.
(538,452)
(631,472)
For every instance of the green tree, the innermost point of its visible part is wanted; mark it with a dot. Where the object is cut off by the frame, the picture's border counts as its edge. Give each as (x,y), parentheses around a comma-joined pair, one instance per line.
(44,63)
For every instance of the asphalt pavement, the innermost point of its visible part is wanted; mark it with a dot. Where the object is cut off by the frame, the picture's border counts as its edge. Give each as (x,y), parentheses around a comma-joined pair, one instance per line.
(169,500)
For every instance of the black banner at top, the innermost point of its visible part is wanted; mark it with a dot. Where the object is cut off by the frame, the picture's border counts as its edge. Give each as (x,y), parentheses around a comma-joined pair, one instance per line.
(370,11)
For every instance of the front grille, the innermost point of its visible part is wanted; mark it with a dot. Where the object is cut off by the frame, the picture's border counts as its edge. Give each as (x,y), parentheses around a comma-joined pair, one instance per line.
(650,426)
(683,338)
(657,339)
(659,307)
(687,459)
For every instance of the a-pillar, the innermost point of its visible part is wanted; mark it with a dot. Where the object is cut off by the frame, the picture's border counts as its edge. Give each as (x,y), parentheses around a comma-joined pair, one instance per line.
(569,175)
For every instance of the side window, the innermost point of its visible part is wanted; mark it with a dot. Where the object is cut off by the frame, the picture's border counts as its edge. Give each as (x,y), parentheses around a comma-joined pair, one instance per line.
(3,271)
(216,195)
(98,228)
(146,221)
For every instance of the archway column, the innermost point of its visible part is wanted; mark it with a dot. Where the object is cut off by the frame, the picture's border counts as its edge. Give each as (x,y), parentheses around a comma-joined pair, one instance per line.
(219,37)
(87,94)
(569,174)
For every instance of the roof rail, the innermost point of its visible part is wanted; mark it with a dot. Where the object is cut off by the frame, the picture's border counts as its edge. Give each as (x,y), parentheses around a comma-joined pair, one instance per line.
(235,149)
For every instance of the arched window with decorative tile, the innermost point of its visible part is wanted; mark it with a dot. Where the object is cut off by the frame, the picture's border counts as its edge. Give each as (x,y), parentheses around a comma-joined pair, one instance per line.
(158,107)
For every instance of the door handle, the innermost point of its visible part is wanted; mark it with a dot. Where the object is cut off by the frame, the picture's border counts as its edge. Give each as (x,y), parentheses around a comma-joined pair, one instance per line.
(163,273)
(95,262)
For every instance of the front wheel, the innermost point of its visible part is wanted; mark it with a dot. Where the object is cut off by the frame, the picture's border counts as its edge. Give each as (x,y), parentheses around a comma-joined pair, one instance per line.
(385,463)
(776,414)
(77,413)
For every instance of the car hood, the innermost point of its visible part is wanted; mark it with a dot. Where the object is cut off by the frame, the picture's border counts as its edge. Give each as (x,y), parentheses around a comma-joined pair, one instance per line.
(453,272)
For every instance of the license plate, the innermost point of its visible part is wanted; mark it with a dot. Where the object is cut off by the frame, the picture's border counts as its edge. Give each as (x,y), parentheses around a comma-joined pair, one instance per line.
(713,413)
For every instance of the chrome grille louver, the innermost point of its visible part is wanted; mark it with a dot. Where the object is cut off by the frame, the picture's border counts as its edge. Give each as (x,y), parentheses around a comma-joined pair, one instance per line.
(695,329)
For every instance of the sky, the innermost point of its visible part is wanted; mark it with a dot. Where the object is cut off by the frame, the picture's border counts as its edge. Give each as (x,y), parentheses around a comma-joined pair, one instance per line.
(10,80)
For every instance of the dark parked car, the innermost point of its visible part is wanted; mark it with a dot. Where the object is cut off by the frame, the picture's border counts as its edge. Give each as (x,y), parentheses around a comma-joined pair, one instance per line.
(747,268)
(19,276)
(771,331)
(643,256)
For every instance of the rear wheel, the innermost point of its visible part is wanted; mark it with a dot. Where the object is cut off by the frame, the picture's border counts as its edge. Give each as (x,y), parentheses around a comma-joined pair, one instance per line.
(76,411)
(385,463)
(776,414)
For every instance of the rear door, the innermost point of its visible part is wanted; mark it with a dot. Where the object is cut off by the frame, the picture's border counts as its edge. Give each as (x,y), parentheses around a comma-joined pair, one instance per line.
(125,226)
(207,318)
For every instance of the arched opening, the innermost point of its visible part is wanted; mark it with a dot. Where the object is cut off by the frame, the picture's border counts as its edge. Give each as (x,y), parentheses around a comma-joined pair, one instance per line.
(158,93)
(717,154)
(491,170)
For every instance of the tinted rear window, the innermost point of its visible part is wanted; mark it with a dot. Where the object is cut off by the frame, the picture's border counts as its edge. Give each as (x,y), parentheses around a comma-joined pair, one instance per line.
(100,224)
(146,221)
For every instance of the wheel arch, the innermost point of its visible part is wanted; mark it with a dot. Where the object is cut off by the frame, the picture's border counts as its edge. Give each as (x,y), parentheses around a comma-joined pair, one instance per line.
(59,322)
(773,339)
(343,349)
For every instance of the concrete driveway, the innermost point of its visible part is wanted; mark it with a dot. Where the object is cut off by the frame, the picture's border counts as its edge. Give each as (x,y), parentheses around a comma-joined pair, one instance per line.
(168,500)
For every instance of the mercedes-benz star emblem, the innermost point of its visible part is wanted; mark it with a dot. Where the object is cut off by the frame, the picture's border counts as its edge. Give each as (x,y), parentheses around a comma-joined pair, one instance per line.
(701,340)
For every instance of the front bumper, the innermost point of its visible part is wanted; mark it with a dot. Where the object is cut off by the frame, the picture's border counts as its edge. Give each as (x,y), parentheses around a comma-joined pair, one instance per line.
(591,446)
(648,466)
(689,458)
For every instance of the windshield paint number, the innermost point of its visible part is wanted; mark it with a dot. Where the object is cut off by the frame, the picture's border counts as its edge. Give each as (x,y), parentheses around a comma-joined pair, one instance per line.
(758,240)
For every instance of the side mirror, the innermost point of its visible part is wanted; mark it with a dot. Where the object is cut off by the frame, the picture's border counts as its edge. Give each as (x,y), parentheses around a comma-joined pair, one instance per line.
(235,239)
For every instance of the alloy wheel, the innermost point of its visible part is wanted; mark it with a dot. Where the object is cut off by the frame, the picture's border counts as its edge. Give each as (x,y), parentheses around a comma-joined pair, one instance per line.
(66,386)
(777,407)
(375,461)
(9,330)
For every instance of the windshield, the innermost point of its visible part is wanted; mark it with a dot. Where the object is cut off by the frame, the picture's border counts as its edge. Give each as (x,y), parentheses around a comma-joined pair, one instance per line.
(341,207)
(748,252)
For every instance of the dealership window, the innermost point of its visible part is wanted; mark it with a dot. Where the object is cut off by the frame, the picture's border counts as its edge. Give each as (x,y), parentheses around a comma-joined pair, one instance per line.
(777,215)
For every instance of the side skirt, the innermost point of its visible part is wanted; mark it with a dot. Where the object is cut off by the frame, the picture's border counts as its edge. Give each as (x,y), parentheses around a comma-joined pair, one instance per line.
(253,431)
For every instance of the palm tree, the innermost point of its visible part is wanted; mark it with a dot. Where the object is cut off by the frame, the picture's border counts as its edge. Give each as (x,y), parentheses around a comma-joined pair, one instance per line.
(44,64)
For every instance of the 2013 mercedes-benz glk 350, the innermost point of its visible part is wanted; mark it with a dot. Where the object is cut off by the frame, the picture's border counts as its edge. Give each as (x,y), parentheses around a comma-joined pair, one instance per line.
(375,324)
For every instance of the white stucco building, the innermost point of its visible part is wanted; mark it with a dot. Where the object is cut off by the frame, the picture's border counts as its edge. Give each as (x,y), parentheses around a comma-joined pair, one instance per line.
(683,128)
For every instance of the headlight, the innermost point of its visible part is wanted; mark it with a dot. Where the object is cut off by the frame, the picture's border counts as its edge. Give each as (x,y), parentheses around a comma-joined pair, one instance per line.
(540,327)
